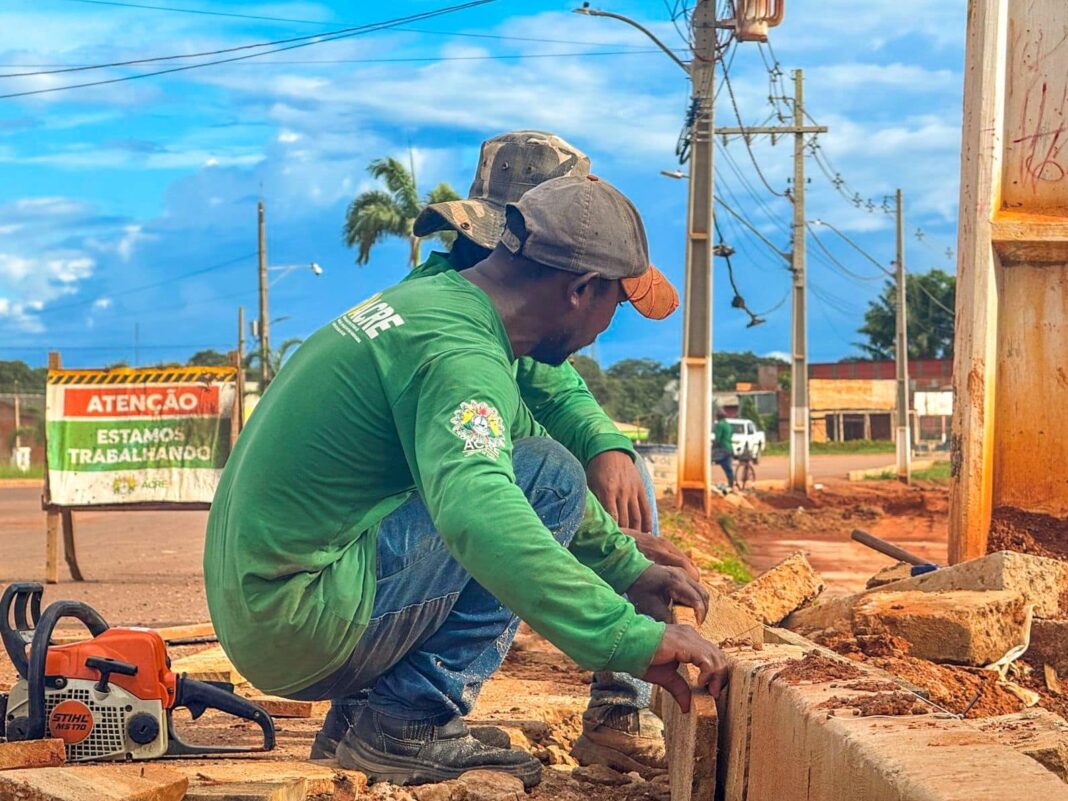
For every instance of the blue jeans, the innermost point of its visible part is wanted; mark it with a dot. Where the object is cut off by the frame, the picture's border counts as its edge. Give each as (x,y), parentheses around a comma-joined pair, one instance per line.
(728,468)
(435,634)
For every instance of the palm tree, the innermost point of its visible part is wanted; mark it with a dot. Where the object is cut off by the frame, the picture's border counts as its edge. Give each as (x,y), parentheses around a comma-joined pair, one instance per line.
(378,213)
(275,358)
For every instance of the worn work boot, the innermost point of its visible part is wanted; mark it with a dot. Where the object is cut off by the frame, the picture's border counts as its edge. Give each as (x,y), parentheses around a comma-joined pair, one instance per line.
(341,717)
(418,752)
(623,738)
(338,721)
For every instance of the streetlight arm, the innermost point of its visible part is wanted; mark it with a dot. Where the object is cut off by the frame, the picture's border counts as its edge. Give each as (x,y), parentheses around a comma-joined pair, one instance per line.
(594,12)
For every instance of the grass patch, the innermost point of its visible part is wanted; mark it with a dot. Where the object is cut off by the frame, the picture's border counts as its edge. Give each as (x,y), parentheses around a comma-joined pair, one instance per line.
(731,564)
(938,472)
(852,446)
(730,528)
(886,475)
(10,471)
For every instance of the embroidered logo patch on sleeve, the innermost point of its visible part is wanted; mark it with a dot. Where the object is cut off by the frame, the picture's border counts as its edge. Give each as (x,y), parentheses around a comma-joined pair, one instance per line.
(480,426)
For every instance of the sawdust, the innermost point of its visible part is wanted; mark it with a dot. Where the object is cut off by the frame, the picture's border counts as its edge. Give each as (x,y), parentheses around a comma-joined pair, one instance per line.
(950,687)
(895,703)
(817,668)
(1013,529)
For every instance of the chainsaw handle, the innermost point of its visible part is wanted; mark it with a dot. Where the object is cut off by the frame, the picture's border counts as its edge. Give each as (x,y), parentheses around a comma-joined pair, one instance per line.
(196,696)
(42,634)
(17,632)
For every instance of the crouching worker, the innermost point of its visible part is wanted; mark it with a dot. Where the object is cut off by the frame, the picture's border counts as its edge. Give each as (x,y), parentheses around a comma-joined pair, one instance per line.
(392,509)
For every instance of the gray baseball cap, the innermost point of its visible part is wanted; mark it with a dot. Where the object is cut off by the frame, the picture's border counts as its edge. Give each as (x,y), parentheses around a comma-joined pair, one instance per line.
(508,166)
(586,225)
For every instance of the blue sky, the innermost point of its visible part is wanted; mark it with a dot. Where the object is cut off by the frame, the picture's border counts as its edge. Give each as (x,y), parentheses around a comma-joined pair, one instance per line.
(128,211)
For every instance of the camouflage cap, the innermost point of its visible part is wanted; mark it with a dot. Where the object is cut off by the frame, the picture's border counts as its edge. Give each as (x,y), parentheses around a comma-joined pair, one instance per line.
(508,166)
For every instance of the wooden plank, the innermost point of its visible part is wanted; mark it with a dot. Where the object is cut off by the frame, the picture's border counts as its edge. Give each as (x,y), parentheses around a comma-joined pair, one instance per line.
(52,548)
(287,708)
(691,738)
(323,776)
(32,754)
(94,783)
(70,553)
(168,633)
(295,789)
(211,664)
(975,345)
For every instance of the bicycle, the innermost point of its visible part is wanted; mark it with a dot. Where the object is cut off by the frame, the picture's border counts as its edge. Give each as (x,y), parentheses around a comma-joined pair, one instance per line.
(744,472)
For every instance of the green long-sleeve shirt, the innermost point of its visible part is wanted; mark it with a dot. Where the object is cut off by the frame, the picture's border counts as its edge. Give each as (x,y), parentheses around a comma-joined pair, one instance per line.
(414,389)
(557,396)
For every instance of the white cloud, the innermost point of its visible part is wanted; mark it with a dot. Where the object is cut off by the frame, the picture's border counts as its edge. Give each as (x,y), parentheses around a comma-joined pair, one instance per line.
(102,303)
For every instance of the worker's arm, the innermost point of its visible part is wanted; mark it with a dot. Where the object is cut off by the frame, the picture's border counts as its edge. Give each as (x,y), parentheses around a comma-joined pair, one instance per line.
(561,401)
(463,470)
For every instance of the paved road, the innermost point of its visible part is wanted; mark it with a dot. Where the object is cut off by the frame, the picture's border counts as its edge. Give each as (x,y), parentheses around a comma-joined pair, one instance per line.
(825,466)
(143,568)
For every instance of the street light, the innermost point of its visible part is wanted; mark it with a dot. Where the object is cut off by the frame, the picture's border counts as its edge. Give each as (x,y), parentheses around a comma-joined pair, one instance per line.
(594,12)
(678,175)
(262,326)
(286,269)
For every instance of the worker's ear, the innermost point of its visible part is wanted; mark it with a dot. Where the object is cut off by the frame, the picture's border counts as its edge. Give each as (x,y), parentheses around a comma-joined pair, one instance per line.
(581,289)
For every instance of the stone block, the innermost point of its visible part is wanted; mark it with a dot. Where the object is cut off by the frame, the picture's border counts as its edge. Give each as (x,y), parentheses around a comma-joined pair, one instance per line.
(491,785)
(1049,645)
(135,782)
(727,619)
(32,754)
(1038,733)
(827,613)
(1041,581)
(211,664)
(773,595)
(961,627)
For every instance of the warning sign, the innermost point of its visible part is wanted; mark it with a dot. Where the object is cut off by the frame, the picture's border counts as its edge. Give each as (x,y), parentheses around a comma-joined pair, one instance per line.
(130,436)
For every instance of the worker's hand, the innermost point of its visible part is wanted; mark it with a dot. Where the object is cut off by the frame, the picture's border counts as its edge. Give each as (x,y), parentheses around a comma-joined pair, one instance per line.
(614,478)
(662,552)
(653,592)
(684,645)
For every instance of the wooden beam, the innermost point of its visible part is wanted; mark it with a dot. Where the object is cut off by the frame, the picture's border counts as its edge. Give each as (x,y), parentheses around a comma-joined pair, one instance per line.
(52,547)
(975,345)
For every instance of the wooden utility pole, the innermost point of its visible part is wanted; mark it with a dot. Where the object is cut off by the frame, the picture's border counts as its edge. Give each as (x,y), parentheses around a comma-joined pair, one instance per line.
(797,477)
(901,356)
(18,421)
(695,385)
(265,323)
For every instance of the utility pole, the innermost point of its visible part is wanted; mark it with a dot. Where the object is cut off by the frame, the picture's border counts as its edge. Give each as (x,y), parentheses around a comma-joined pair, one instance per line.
(797,477)
(695,386)
(18,420)
(799,415)
(264,325)
(901,357)
(241,335)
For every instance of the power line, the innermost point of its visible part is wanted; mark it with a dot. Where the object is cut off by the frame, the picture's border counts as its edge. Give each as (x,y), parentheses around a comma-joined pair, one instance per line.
(260,18)
(745,139)
(428,59)
(837,264)
(320,39)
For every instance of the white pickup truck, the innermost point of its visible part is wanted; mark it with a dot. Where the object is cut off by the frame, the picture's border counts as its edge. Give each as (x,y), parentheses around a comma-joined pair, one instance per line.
(745,435)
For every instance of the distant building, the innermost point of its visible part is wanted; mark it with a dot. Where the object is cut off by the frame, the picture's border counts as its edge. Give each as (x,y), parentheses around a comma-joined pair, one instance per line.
(857,400)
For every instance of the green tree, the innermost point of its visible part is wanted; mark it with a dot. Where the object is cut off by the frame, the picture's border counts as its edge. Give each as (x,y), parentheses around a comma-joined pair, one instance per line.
(729,368)
(929,303)
(209,358)
(379,213)
(594,377)
(17,373)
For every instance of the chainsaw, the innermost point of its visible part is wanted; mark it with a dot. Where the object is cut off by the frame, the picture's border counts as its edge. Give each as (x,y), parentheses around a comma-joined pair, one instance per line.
(108,698)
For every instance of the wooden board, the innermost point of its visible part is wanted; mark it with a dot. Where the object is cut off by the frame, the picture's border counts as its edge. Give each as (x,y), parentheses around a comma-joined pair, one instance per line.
(211,664)
(134,782)
(168,633)
(287,708)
